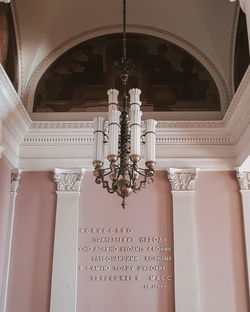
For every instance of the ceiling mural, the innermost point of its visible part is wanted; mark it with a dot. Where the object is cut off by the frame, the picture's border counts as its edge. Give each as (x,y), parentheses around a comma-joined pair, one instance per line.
(169,77)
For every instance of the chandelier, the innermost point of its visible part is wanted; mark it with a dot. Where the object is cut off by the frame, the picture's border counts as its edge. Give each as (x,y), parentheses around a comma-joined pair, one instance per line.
(123,137)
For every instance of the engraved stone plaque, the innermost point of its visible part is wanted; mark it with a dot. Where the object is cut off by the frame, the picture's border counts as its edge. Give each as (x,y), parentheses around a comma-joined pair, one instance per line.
(125,258)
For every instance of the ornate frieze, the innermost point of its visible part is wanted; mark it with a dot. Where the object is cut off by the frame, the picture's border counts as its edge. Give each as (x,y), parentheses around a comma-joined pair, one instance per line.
(62,140)
(15,179)
(182,179)
(244,180)
(68,180)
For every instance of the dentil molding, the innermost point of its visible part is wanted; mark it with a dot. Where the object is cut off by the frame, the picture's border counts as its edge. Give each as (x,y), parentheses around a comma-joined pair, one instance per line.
(182,179)
(68,180)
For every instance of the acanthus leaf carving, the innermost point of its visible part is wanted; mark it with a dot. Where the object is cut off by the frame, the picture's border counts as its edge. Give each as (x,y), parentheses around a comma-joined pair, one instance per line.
(15,179)
(244,180)
(68,180)
(182,179)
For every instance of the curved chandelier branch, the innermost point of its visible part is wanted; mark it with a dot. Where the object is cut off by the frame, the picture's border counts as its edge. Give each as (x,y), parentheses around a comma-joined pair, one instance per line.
(124,176)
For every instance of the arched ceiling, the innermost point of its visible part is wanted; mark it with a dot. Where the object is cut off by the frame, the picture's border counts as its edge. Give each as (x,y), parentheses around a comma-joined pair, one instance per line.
(45,25)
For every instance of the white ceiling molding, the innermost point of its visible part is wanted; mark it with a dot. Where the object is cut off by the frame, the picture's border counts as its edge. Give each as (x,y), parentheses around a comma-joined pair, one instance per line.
(209,145)
(223,87)
(15,122)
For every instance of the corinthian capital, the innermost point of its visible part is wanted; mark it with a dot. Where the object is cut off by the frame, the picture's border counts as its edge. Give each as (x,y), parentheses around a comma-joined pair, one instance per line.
(15,179)
(68,180)
(244,180)
(182,179)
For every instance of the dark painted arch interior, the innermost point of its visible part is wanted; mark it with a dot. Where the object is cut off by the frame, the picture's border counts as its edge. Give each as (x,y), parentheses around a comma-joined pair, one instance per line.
(169,77)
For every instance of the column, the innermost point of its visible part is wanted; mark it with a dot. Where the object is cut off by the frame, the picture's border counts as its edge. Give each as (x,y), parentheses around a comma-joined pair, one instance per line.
(15,179)
(187,289)
(64,270)
(244,183)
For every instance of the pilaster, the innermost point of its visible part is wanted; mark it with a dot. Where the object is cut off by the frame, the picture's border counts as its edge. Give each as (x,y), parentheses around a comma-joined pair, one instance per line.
(187,288)
(64,271)
(244,183)
(15,180)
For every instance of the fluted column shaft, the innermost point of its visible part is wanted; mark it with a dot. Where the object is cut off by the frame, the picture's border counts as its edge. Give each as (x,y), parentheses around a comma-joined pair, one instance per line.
(187,288)
(244,183)
(64,270)
(15,180)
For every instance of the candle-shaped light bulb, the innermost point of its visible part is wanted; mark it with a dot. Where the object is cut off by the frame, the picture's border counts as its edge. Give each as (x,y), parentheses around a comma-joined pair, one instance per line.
(113,99)
(135,102)
(135,134)
(114,128)
(150,140)
(135,124)
(98,156)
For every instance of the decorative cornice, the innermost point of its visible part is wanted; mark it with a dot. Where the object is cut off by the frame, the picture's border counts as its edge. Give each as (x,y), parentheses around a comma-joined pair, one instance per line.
(65,140)
(182,179)
(15,179)
(160,124)
(68,180)
(244,180)
(62,125)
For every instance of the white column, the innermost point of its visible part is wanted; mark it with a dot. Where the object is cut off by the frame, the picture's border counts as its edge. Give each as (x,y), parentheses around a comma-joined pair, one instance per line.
(64,270)
(15,179)
(244,183)
(187,289)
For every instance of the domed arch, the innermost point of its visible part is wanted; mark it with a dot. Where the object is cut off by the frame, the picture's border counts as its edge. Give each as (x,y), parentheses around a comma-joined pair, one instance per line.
(139,30)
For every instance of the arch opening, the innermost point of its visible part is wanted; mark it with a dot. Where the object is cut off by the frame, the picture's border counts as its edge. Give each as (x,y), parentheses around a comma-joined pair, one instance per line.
(170,78)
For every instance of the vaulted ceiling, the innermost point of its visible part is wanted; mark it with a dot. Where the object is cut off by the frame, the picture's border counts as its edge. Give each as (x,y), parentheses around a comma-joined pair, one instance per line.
(47,28)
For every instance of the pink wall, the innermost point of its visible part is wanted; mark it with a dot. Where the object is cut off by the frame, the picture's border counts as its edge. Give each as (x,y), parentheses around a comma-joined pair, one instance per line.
(221,247)
(220,242)
(148,213)
(32,251)
(5,174)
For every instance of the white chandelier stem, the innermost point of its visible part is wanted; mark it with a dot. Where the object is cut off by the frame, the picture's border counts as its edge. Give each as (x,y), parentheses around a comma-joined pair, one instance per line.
(99,139)
(150,139)
(114,127)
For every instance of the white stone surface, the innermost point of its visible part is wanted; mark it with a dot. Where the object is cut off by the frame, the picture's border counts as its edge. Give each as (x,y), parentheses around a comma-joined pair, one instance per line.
(186,264)
(64,270)
(244,183)
(15,180)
